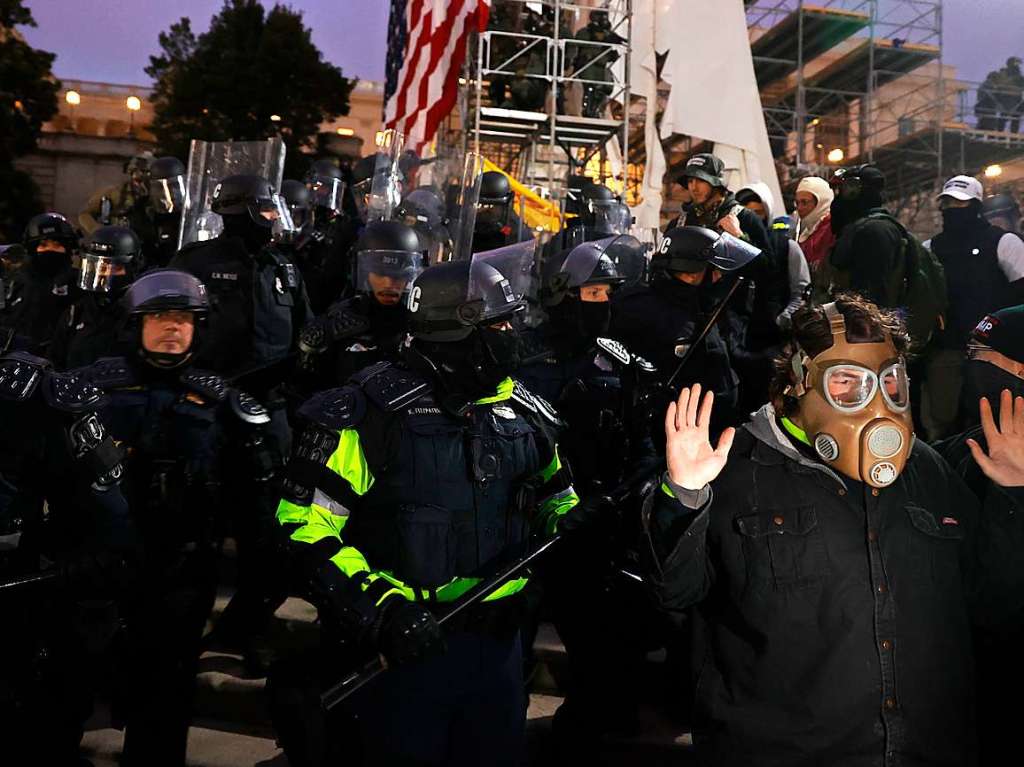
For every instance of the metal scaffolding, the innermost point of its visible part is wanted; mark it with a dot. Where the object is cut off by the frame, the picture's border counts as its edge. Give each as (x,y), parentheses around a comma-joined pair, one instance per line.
(531,50)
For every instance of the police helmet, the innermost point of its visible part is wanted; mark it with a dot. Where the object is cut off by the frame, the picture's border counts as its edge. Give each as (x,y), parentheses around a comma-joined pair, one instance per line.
(167,185)
(49,226)
(448,301)
(585,264)
(108,259)
(495,188)
(164,290)
(691,249)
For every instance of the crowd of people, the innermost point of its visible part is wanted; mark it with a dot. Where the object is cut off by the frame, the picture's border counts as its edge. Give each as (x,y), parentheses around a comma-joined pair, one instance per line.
(800,436)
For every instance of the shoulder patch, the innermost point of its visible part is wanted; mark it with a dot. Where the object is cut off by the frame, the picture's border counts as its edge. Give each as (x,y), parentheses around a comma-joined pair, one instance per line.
(614,349)
(71,392)
(206,384)
(20,375)
(335,408)
(247,408)
(389,387)
(108,373)
(535,404)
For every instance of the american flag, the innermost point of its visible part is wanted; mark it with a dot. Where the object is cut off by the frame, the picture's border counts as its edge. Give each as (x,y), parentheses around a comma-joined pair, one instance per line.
(426,49)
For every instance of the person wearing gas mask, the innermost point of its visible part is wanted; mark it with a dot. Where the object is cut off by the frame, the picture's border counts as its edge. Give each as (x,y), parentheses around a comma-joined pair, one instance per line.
(93,326)
(66,536)
(37,292)
(405,484)
(497,224)
(984,268)
(661,321)
(126,204)
(369,327)
(834,562)
(194,446)
(713,206)
(993,370)
(258,306)
(1003,211)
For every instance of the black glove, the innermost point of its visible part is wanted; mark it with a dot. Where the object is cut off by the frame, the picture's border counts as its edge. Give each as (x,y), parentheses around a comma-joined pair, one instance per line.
(596,514)
(408,632)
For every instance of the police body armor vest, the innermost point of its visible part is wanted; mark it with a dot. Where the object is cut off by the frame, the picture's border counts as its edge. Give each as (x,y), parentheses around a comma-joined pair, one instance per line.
(974,279)
(450,493)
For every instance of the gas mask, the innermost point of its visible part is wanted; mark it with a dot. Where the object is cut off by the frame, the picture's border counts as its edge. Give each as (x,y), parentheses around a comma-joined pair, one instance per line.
(855,405)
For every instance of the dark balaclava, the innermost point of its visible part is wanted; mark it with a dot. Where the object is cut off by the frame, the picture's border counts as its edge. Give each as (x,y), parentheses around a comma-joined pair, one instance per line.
(962,223)
(472,368)
(255,235)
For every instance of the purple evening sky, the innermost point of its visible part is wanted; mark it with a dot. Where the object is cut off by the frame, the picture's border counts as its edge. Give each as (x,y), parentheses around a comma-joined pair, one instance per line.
(111,40)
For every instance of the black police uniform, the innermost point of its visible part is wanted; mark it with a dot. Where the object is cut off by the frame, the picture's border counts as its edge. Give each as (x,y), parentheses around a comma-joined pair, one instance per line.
(193,451)
(407,486)
(62,513)
(35,294)
(92,327)
(354,333)
(258,303)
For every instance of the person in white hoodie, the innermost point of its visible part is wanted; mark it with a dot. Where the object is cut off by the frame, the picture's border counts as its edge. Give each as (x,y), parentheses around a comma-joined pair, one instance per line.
(814,228)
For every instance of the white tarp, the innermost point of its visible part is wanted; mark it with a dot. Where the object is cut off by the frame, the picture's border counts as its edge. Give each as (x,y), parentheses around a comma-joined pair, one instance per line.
(714,92)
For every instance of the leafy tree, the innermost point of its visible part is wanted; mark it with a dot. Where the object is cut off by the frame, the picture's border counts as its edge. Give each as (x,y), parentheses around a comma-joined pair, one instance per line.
(28,98)
(228,82)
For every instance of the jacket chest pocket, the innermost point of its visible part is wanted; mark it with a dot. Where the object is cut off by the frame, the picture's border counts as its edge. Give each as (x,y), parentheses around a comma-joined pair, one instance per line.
(784,548)
(427,548)
(934,549)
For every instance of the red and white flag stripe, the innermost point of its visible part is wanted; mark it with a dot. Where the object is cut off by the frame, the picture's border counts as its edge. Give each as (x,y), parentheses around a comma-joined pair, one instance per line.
(436,37)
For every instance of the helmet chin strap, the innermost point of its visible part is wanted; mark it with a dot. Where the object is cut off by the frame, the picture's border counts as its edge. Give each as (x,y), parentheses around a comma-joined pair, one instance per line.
(165,360)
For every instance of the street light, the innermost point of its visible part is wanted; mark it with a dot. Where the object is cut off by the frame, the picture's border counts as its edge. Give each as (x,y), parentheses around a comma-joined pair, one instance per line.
(134,104)
(275,118)
(73,98)
(346,131)
(836,155)
(993,171)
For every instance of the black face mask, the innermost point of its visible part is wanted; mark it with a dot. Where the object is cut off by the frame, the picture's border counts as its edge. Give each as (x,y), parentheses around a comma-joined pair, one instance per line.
(472,368)
(255,236)
(50,263)
(593,318)
(956,220)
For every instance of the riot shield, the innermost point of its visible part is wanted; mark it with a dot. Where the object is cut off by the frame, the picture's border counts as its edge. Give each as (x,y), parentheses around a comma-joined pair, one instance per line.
(463,207)
(386,183)
(431,180)
(515,262)
(209,162)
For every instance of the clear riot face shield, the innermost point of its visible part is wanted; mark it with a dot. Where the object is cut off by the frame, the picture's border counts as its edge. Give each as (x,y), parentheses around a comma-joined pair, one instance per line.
(466,196)
(631,258)
(498,283)
(377,197)
(167,195)
(387,274)
(209,162)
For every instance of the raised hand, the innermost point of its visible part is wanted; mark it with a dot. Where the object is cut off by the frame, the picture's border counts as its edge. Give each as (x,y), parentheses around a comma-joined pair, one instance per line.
(1004,463)
(692,462)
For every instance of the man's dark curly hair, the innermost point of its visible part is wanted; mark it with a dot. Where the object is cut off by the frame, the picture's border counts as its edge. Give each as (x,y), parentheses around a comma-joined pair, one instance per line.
(865,323)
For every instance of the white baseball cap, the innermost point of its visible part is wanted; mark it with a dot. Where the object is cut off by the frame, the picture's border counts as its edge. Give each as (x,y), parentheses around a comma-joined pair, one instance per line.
(963,188)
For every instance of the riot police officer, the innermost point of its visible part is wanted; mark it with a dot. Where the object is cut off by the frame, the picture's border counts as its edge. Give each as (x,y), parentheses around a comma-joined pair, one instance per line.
(67,539)
(299,200)
(663,320)
(92,327)
(599,213)
(1002,210)
(408,481)
(322,249)
(497,224)
(258,298)
(258,306)
(424,210)
(37,292)
(194,446)
(166,201)
(370,326)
